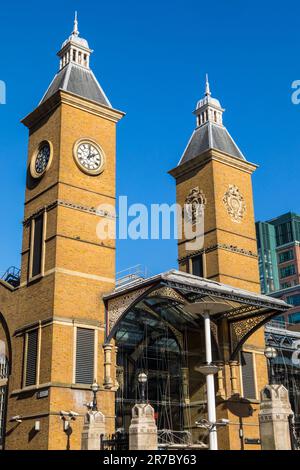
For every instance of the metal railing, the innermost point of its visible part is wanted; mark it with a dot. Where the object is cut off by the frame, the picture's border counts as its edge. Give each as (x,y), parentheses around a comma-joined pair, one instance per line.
(12,276)
(131,275)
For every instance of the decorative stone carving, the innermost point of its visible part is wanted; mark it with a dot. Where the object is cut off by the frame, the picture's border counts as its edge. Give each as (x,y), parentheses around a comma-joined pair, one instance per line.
(275,410)
(94,426)
(234,203)
(194,205)
(143,429)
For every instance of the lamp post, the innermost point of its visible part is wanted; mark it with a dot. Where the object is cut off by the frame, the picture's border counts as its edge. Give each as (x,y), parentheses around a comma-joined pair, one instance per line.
(209,369)
(95,388)
(142,379)
(270,354)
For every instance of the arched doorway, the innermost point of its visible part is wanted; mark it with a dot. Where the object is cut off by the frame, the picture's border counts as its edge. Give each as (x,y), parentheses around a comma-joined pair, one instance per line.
(153,337)
(148,344)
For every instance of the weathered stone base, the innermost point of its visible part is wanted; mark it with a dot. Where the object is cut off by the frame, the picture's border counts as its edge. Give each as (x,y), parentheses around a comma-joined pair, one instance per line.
(143,429)
(94,426)
(274,415)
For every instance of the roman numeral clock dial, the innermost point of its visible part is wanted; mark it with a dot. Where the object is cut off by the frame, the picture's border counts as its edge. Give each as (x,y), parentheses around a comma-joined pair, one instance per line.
(89,157)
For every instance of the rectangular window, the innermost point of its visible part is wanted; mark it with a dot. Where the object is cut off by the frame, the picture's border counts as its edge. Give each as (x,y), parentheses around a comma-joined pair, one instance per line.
(285,256)
(37,243)
(284,233)
(294,318)
(285,285)
(197,265)
(293,300)
(31,358)
(85,353)
(287,271)
(248,375)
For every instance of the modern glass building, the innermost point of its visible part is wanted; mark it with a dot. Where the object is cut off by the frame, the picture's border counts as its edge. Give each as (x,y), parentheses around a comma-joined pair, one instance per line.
(278,243)
(268,267)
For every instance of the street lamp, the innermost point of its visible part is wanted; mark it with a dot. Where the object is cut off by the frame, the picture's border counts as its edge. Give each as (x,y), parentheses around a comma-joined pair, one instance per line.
(142,379)
(207,310)
(271,354)
(95,388)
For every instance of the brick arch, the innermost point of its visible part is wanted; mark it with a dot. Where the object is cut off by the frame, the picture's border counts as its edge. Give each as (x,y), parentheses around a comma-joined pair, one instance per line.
(5,327)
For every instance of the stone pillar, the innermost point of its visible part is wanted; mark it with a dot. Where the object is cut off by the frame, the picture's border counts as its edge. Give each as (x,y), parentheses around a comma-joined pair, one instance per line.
(220,378)
(94,426)
(274,414)
(108,383)
(233,377)
(142,430)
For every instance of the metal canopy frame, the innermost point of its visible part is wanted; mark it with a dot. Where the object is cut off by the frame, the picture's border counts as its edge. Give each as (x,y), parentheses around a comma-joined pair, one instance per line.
(247,311)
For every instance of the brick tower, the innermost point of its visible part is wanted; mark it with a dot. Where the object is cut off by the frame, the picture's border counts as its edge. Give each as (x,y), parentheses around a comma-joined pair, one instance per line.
(57,325)
(214,173)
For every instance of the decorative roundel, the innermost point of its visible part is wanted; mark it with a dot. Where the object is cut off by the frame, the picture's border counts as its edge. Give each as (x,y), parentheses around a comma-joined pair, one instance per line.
(41,159)
(89,156)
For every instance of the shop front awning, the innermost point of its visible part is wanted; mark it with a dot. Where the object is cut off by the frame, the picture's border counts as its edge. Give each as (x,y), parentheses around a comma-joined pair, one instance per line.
(168,297)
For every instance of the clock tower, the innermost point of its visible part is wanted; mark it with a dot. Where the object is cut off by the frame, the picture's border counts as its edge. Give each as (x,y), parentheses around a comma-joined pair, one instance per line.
(58,335)
(214,175)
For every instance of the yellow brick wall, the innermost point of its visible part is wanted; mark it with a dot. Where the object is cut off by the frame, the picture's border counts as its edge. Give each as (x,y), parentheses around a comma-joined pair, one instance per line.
(225,263)
(79,269)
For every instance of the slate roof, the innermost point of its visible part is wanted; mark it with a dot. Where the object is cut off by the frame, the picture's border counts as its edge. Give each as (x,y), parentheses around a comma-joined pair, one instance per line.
(210,136)
(77,80)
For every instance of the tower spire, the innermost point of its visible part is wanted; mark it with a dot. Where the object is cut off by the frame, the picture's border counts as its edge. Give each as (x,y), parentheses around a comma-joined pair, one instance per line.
(207,87)
(208,109)
(75,30)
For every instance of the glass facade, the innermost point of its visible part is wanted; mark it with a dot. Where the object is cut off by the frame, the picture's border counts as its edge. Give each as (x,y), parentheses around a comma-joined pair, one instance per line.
(273,237)
(287,271)
(268,267)
(285,256)
(294,318)
(293,300)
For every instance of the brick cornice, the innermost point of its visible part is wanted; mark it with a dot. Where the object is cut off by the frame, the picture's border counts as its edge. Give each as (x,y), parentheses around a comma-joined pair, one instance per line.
(218,246)
(70,205)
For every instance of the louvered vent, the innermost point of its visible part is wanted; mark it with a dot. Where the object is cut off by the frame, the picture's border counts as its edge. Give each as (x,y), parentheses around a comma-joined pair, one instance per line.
(248,375)
(31,359)
(85,347)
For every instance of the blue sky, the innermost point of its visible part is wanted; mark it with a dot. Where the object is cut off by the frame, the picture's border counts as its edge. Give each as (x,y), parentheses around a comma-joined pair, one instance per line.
(151,59)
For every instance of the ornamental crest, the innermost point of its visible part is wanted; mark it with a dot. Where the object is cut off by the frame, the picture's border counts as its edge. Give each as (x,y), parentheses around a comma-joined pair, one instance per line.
(194,205)
(234,203)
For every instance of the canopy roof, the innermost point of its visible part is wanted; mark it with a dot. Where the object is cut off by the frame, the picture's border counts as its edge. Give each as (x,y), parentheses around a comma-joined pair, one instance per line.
(168,296)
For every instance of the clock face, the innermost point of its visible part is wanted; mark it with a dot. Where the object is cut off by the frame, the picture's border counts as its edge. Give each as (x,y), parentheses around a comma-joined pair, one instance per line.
(89,157)
(41,159)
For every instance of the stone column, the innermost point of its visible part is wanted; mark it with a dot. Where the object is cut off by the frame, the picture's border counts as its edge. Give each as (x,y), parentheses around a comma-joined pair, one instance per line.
(274,414)
(233,377)
(108,383)
(94,426)
(220,378)
(143,429)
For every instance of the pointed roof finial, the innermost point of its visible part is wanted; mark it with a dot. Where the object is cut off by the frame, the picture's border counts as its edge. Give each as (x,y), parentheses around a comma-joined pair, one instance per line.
(207,88)
(75,30)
